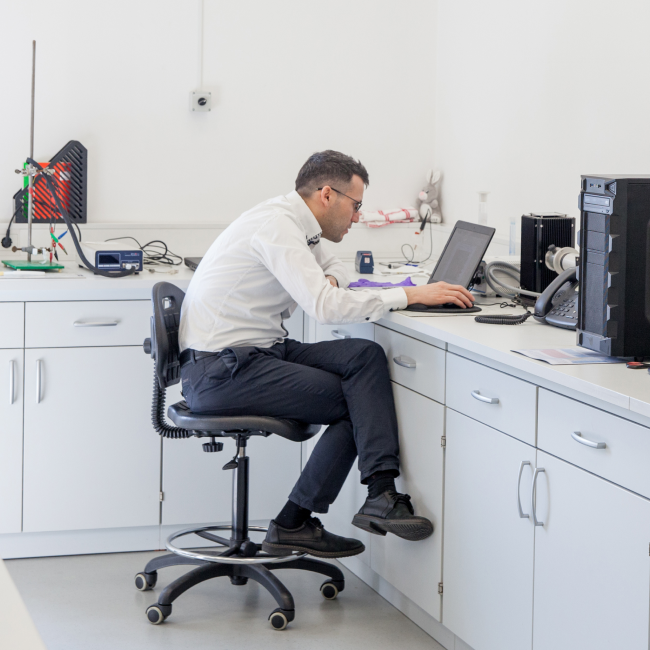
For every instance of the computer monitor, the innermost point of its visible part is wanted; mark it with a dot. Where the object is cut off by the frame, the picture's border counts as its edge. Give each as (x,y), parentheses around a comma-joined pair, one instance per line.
(458,263)
(462,254)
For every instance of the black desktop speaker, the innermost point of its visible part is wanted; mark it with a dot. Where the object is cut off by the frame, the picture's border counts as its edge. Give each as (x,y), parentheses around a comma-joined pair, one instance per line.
(538,232)
(614,270)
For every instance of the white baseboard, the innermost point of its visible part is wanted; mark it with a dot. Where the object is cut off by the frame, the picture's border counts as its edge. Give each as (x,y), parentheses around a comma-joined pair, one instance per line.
(430,625)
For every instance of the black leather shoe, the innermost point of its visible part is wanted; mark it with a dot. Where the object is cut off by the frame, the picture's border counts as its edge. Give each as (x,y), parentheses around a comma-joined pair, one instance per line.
(310,538)
(392,512)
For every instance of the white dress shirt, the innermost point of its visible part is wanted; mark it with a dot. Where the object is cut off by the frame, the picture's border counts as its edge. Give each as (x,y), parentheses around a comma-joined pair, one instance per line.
(264,263)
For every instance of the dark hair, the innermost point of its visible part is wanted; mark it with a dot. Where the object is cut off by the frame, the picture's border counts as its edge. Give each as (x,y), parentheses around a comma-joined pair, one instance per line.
(328,168)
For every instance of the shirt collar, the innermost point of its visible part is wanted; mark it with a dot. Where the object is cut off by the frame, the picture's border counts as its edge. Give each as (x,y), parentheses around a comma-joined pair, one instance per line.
(309,222)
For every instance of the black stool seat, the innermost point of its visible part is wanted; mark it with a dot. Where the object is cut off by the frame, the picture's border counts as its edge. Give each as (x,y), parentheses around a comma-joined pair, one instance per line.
(216,425)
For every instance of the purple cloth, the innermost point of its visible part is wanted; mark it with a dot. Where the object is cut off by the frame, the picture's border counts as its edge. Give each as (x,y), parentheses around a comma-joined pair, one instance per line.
(362,282)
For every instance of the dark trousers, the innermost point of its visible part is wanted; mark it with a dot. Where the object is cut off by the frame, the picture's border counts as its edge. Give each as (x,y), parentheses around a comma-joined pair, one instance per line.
(342,383)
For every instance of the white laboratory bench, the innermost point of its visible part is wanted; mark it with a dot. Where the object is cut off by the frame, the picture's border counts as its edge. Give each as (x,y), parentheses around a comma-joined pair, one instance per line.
(82,471)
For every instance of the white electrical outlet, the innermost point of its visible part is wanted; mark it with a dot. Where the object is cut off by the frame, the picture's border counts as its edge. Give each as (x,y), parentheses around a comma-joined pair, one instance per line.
(200,100)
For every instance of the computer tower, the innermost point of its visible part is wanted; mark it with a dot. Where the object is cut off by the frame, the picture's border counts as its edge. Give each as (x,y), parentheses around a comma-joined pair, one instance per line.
(614,269)
(538,232)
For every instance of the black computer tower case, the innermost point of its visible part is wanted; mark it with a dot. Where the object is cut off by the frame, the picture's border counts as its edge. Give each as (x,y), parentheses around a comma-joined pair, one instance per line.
(538,232)
(614,269)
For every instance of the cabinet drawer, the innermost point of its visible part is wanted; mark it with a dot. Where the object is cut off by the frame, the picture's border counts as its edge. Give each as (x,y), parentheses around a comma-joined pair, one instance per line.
(492,397)
(12,324)
(566,428)
(86,323)
(414,364)
(354,331)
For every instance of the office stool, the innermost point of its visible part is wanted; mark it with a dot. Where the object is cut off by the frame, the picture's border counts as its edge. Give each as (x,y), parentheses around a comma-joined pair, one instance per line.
(242,559)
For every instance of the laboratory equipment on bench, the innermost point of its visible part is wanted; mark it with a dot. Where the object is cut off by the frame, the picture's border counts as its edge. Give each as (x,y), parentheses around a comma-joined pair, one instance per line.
(364,262)
(614,267)
(113,256)
(56,191)
(458,263)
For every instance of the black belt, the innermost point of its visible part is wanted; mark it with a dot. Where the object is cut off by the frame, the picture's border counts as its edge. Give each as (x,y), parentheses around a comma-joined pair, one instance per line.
(194,355)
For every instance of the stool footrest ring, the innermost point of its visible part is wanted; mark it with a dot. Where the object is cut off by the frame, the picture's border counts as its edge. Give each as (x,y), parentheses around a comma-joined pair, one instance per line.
(207,556)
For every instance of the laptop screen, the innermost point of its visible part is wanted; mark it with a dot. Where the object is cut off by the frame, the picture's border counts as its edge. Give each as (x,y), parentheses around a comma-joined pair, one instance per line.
(462,254)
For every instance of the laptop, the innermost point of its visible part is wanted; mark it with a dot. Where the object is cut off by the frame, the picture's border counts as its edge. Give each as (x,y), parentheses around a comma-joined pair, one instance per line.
(192,262)
(458,263)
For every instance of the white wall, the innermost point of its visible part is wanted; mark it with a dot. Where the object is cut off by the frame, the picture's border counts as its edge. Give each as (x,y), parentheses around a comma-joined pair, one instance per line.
(290,77)
(532,95)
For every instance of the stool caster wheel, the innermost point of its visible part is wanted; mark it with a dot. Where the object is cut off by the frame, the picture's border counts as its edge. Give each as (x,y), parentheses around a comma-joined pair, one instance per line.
(280,618)
(156,614)
(331,589)
(145,581)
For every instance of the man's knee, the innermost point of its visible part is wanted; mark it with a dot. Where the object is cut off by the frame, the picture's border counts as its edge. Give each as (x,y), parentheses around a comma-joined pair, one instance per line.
(368,352)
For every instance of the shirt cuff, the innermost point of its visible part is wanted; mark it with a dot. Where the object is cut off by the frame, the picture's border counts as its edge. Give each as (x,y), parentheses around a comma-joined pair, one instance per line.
(394,299)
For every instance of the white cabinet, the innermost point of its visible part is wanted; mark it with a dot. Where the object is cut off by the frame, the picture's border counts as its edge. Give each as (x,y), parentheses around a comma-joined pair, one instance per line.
(488,547)
(91,456)
(592,569)
(11,440)
(414,568)
(197,490)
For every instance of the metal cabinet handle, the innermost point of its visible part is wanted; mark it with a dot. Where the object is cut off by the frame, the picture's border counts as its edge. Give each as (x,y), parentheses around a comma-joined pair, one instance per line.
(12,381)
(532,496)
(95,323)
(522,514)
(577,436)
(340,335)
(405,362)
(39,375)
(482,398)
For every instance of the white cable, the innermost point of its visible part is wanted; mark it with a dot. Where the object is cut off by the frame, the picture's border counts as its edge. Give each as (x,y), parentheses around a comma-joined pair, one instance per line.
(499,286)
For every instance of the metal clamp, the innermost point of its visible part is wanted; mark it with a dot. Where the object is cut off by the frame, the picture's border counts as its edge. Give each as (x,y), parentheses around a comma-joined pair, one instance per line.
(482,398)
(12,381)
(405,362)
(522,514)
(532,496)
(577,436)
(340,335)
(95,323)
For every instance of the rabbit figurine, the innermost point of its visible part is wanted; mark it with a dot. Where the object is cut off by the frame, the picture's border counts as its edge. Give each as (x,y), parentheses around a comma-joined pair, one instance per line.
(429,206)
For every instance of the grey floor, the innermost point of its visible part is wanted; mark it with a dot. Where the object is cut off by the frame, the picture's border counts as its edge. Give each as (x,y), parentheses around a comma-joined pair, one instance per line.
(89,602)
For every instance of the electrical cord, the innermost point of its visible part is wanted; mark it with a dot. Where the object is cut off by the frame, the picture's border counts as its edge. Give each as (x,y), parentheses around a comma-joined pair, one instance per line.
(66,217)
(412,260)
(510,319)
(156,252)
(501,287)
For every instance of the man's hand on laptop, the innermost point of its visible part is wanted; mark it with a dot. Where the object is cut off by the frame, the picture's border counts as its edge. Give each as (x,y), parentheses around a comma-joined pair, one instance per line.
(439,293)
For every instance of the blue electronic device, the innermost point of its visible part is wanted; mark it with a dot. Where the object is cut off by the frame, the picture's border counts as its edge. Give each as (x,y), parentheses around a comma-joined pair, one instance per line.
(364,262)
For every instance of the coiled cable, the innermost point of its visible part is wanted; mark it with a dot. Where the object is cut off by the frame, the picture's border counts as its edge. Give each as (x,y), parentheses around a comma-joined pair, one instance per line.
(503,320)
(158,415)
(502,288)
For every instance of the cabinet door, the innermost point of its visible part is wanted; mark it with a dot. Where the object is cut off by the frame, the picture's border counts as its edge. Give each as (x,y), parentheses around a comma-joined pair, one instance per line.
(92,458)
(414,568)
(197,490)
(592,570)
(488,553)
(11,440)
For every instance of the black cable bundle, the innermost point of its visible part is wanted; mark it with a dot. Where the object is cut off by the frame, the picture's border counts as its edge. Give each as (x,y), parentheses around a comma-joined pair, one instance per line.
(503,320)
(158,415)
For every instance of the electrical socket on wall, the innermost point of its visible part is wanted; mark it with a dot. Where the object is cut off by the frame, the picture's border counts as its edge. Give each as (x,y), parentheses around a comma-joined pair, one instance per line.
(200,100)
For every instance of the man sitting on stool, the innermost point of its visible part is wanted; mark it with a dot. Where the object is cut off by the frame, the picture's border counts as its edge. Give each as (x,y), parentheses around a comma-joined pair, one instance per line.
(236,359)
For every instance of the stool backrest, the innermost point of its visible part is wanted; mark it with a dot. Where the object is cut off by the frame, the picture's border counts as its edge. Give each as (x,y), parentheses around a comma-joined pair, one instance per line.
(166,300)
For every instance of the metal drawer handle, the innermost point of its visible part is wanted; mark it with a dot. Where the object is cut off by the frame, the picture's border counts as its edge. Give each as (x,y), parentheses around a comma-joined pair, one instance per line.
(39,375)
(532,496)
(12,381)
(405,362)
(577,436)
(522,514)
(482,398)
(340,335)
(95,323)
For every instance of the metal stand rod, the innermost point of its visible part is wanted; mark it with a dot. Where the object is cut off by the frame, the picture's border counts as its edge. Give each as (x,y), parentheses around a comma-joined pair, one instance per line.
(30,199)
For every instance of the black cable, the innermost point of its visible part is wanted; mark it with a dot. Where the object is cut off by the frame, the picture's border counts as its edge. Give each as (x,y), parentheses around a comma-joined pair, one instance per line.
(152,252)
(66,217)
(158,414)
(504,320)
(6,240)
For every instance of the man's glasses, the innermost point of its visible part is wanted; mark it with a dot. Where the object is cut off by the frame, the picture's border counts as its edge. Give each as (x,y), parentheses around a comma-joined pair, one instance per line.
(357,204)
